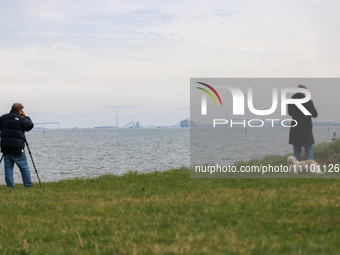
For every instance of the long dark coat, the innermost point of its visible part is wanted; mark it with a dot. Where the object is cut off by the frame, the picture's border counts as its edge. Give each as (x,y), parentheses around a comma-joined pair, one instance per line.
(302,134)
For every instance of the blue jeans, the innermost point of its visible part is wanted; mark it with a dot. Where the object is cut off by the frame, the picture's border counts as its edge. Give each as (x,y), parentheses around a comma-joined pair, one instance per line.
(309,152)
(21,162)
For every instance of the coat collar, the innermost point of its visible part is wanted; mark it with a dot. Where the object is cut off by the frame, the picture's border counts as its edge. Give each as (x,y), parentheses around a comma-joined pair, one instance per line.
(14,112)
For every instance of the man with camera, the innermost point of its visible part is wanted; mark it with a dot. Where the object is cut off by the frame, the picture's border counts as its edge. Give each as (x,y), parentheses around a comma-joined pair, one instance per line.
(13,126)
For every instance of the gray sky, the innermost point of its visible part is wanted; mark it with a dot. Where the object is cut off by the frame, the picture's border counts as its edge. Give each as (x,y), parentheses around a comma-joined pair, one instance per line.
(75,61)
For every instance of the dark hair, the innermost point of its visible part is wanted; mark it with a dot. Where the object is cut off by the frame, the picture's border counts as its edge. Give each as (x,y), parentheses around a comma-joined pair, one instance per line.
(17,107)
(302,86)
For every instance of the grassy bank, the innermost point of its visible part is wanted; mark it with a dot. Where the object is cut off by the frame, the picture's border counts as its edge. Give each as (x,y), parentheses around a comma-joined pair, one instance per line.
(324,154)
(169,213)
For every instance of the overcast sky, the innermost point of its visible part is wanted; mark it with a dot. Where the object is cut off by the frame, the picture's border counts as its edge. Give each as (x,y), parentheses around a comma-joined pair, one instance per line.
(76,61)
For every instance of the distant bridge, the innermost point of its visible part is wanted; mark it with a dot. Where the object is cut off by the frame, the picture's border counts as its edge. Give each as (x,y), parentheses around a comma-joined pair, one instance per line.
(47,123)
(132,125)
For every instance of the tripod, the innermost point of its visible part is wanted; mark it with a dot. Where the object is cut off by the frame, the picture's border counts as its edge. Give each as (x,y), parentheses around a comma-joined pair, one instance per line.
(32,161)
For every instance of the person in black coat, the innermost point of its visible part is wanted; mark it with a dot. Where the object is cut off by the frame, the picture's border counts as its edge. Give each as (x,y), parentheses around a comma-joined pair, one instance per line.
(302,134)
(13,127)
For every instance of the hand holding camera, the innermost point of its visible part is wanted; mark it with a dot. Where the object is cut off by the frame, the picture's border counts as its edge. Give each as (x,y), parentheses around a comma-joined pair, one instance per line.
(23,113)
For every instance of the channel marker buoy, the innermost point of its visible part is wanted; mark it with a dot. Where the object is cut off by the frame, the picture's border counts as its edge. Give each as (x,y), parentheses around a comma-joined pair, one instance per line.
(334,137)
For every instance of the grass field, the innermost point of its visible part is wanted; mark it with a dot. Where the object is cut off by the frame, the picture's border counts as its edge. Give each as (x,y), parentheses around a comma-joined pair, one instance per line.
(169,213)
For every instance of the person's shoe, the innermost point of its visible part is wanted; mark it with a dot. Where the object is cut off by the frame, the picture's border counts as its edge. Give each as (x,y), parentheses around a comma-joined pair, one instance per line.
(10,187)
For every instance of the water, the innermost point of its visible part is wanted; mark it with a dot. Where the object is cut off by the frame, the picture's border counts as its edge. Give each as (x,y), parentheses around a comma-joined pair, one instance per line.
(71,153)
(226,146)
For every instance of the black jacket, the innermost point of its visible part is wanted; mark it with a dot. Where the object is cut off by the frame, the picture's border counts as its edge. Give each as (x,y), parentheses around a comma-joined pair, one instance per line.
(13,127)
(302,134)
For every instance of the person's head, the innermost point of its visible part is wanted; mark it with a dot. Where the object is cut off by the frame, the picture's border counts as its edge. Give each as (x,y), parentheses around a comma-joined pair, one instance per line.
(302,87)
(17,107)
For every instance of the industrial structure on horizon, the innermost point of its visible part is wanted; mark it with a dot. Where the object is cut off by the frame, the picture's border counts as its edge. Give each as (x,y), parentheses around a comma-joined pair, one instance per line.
(186,123)
(132,124)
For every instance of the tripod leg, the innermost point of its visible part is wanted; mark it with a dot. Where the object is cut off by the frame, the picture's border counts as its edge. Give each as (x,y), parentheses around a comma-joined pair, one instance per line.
(29,151)
(35,168)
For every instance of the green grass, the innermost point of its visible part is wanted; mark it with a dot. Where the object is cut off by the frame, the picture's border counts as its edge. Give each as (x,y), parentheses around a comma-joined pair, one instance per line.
(169,213)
